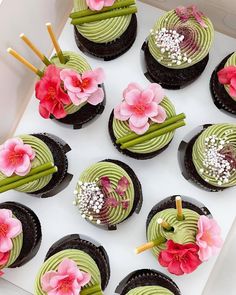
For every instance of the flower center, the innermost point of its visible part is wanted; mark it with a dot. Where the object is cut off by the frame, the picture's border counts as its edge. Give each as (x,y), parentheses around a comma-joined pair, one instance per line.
(15,158)
(139,109)
(207,238)
(65,285)
(3,230)
(51,93)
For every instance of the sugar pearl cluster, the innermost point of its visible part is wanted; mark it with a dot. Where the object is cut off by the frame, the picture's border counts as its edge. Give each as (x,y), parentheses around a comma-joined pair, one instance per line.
(215,163)
(169,42)
(90,200)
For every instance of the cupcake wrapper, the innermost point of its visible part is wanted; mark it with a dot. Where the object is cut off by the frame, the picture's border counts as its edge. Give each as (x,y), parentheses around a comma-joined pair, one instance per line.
(220,96)
(146,277)
(111,50)
(84,115)
(88,245)
(136,156)
(187,202)
(32,234)
(170,78)
(186,163)
(62,178)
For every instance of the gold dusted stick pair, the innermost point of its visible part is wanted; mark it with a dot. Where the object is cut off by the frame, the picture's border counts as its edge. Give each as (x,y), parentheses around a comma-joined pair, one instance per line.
(43,58)
(166,226)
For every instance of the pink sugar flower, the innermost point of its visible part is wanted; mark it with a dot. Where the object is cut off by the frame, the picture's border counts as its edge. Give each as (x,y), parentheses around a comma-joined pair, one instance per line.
(185,13)
(228,76)
(4,257)
(16,157)
(140,107)
(67,280)
(99,4)
(51,95)
(9,228)
(82,88)
(208,238)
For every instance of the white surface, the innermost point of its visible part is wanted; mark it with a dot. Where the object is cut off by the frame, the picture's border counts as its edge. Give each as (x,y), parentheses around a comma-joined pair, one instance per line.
(160,177)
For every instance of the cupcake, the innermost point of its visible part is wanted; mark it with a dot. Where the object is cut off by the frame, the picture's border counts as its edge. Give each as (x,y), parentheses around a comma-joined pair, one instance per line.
(147,281)
(143,124)
(35,164)
(68,89)
(223,85)
(177,50)
(20,235)
(105,29)
(76,257)
(182,234)
(208,156)
(108,193)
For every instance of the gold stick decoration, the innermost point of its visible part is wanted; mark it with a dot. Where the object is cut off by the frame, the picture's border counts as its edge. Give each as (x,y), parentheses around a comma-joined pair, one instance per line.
(150,245)
(164,224)
(55,43)
(25,62)
(179,207)
(35,50)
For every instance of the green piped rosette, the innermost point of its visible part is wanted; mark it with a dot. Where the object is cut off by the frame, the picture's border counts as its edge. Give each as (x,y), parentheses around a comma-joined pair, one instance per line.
(110,215)
(84,261)
(43,155)
(121,129)
(150,290)
(75,62)
(230,62)
(103,31)
(226,135)
(196,44)
(184,231)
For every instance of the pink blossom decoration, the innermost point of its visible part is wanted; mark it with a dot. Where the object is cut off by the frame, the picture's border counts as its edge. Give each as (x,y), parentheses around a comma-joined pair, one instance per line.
(140,107)
(9,228)
(208,238)
(227,76)
(185,13)
(84,88)
(51,94)
(67,280)
(122,186)
(15,157)
(99,4)
(106,184)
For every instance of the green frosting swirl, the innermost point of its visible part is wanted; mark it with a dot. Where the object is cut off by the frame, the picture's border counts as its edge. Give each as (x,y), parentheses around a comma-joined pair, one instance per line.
(150,290)
(17,243)
(196,44)
(103,31)
(184,231)
(121,128)
(230,62)
(75,62)
(114,172)
(42,155)
(82,259)
(225,134)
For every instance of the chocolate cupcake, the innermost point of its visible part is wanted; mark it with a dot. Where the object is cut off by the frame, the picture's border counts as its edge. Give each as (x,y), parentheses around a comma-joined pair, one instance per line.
(177,49)
(20,235)
(222,84)
(143,124)
(181,234)
(35,164)
(105,29)
(84,259)
(207,156)
(108,193)
(147,281)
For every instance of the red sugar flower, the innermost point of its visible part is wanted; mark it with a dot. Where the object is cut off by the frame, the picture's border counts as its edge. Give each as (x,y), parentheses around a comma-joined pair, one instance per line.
(227,76)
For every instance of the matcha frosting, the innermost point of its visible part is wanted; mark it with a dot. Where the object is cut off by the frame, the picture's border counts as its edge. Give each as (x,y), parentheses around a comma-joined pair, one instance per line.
(84,261)
(103,31)
(184,231)
(42,155)
(121,128)
(194,47)
(208,155)
(230,62)
(110,215)
(75,62)
(150,290)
